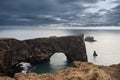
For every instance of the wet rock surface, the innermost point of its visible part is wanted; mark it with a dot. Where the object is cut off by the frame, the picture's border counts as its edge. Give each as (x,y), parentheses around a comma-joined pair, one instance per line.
(34,51)
(80,71)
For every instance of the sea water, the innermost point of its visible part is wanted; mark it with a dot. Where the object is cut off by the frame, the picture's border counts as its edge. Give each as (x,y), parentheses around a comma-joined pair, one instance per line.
(107,45)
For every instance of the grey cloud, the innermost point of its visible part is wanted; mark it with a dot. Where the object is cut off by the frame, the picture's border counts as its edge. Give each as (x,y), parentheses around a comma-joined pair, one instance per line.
(80,1)
(25,6)
(114,16)
(33,12)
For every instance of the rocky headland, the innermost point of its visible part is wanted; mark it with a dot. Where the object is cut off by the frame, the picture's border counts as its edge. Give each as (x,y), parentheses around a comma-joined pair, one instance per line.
(79,71)
(39,50)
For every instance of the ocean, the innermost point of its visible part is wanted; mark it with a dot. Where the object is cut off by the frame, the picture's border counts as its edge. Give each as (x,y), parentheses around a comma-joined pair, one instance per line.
(107,45)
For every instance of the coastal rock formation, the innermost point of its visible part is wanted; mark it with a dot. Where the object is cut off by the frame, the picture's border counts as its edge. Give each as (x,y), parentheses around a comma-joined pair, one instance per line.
(80,71)
(90,39)
(39,50)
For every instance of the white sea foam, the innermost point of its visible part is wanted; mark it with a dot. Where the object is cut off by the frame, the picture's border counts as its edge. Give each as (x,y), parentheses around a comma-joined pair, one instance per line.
(25,66)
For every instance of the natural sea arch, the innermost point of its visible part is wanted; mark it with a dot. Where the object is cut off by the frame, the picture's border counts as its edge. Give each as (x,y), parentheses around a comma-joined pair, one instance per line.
(39,51)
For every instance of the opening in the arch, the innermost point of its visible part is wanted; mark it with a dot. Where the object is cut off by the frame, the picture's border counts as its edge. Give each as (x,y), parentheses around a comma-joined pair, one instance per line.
(59,61)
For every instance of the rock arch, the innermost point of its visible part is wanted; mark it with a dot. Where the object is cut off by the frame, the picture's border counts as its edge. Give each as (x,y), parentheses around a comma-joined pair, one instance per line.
(40,50)
(72,46)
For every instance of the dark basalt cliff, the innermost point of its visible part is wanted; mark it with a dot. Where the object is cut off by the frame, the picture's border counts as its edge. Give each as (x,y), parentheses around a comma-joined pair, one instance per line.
(39,50)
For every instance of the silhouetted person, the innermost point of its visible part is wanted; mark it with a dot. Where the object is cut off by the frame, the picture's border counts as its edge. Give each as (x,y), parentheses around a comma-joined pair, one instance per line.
(95,54)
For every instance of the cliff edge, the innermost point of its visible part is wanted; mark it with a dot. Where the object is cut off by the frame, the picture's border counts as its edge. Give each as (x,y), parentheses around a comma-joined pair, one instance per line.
(80,71)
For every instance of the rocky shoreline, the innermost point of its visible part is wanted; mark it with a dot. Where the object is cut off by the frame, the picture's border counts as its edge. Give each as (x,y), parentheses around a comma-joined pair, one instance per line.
(79,71)
(39,50)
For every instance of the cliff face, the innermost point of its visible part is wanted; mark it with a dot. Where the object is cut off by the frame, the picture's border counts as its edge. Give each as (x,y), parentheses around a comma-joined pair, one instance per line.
(80,71)
(39,50)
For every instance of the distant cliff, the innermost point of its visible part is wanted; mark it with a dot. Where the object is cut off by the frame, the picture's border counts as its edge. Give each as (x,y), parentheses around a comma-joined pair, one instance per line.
(80,71)
(39,50)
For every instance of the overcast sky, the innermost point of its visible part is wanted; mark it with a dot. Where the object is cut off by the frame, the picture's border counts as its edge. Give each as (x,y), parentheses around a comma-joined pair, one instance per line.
(37,12)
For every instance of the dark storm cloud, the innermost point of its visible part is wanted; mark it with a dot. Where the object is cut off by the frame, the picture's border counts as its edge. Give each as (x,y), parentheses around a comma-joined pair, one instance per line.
(82,1)
(114,15)
(86,12)
(25,6)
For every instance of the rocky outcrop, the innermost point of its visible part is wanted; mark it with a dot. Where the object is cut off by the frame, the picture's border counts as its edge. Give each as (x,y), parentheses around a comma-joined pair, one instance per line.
(39,50)
(80,71)
(90,39)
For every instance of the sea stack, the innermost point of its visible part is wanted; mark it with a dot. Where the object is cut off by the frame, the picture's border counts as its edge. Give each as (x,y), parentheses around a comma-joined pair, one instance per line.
(90,39)
(95,54)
